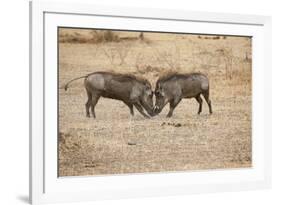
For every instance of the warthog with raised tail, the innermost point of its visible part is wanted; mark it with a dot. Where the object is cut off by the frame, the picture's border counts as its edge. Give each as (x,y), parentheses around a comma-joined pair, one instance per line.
(133,91)
(173,87)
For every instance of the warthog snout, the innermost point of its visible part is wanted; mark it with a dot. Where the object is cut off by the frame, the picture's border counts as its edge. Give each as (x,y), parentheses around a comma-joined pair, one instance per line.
(156,108)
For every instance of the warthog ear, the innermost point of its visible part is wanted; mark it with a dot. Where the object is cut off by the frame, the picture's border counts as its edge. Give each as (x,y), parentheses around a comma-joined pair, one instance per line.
(159,86)
(162,93)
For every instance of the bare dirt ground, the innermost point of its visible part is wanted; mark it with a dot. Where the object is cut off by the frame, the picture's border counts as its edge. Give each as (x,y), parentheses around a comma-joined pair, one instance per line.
(116,143)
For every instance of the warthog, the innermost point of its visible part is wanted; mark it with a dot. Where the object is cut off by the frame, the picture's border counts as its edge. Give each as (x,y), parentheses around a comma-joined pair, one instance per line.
(131,90)
(172,88)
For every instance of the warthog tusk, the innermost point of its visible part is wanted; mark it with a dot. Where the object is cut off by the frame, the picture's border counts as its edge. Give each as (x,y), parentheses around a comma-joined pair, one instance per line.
(155,108)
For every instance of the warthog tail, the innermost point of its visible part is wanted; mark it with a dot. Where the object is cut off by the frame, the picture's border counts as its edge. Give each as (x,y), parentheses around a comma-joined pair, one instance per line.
(67,84)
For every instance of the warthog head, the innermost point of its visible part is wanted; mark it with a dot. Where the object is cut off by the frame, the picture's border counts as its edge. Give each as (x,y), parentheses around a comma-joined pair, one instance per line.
(147,99)
(161,99)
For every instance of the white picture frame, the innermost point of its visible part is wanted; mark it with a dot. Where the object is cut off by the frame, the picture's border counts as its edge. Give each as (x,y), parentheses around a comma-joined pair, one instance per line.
(46,187)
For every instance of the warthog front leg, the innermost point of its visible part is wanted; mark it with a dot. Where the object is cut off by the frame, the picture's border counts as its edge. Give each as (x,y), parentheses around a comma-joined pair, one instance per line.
(173,105)
(140,109)
(131,107)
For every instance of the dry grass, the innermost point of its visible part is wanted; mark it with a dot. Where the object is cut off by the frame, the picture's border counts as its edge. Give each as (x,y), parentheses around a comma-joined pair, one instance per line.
(116,143)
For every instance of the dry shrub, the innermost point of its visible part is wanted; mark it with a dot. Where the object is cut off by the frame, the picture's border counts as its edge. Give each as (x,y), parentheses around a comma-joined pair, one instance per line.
(109,36)
(221,63)
(110,53)
(242,75)
(88,37)
(123,51)
(148,69)
(141,36)
(212,37)
(235,67)
(72,38)
(128,38)
(117,53)
(209,37)
(144,39)
(144,66)
(248,57)
(205,60)
(171,57)
(158,60)
(227,55)
(139,62)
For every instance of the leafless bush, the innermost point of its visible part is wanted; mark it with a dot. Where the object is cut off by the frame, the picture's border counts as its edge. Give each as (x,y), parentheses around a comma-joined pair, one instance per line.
(171,57)
(204,59)
(139,61)
(110,53)
(143,66)
(117,52)
(228,58)
(227,55)
(220,60)
(123,51)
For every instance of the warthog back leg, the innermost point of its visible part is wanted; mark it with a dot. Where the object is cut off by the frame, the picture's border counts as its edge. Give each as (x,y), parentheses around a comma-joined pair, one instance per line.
(199,100)
(173,105)
(206,96)
(95,99)
(131,107)
(140,109)
(88,104)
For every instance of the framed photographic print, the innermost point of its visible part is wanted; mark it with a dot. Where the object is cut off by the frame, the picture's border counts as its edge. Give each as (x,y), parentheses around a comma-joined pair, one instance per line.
(127,102)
